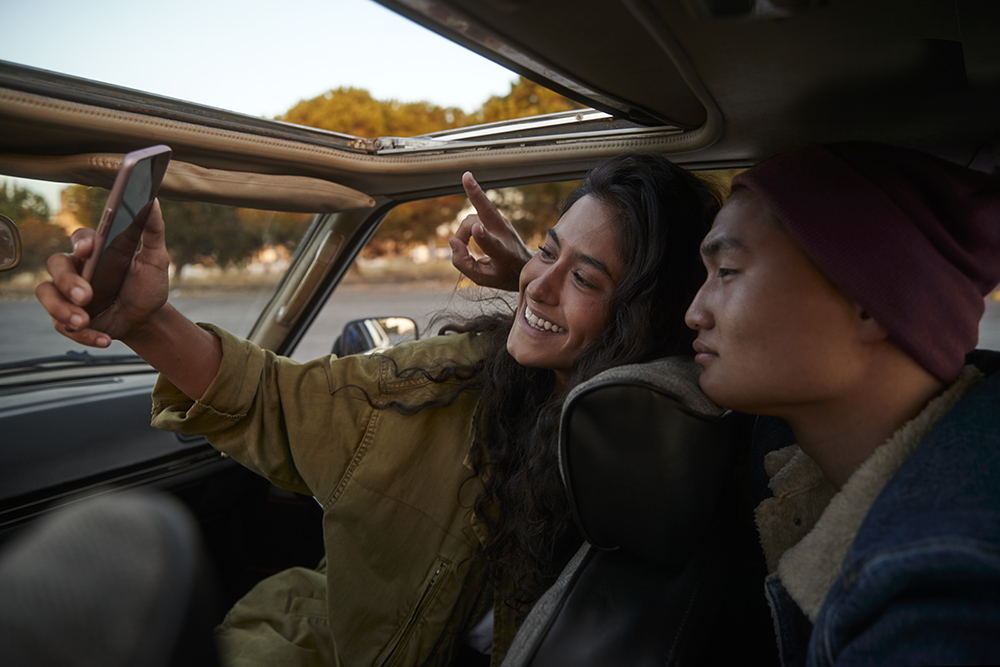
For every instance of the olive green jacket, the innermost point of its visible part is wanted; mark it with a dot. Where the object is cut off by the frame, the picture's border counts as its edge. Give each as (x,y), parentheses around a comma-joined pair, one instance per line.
(398,585)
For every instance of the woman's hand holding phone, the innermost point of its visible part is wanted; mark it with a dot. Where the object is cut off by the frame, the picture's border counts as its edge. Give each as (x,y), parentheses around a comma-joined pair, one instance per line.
(143,293)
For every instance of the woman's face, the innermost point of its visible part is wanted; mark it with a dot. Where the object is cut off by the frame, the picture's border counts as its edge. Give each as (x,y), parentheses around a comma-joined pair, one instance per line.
(564,290)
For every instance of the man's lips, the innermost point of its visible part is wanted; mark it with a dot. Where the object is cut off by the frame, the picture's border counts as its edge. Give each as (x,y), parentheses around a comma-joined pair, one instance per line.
(703,352)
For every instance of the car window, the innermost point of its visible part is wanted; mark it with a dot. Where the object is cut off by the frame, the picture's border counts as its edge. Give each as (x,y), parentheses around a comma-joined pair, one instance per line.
(225,260)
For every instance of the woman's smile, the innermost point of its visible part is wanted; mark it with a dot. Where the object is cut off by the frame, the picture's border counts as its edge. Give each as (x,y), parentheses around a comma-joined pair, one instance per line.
(540,324)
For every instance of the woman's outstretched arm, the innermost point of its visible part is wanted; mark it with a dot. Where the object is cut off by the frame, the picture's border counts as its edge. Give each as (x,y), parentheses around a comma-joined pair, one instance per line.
(183,352)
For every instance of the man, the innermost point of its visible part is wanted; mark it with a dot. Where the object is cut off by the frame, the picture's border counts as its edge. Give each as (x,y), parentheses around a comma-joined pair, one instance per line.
(844,293)
(845,289)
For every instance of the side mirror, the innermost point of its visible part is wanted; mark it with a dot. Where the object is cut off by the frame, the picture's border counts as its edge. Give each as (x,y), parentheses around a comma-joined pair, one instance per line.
(374,334)
(10,244)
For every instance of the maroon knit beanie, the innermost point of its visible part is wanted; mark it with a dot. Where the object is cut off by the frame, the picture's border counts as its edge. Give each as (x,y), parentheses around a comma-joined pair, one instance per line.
(914,240)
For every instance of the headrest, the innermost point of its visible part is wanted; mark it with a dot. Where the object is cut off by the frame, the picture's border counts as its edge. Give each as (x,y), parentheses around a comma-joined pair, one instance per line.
(644,456)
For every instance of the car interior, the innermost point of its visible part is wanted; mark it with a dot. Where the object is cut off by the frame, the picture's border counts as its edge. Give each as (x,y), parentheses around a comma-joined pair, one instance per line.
(713,84)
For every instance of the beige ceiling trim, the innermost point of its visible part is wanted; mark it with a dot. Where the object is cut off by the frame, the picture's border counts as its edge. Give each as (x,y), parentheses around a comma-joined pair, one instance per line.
(32,123)
(297,194)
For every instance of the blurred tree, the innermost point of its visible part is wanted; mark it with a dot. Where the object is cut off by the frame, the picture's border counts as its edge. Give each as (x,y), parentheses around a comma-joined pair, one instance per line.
(85,203)
(533,209)
(274,227)
(415,222)
(526,98)
(39,237)
(354,111)
(19,203)
(199,232)
(206,233)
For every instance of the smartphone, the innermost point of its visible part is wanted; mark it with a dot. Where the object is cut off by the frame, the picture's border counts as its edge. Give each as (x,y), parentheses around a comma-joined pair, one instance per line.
(120,230)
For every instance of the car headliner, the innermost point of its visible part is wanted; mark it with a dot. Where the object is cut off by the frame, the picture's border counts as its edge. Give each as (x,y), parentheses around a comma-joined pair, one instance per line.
(914,72)
(710,92)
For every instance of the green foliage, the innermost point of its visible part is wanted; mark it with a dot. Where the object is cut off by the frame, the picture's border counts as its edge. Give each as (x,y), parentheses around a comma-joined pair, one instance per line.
(39,237)
(532,209)
(525,99)
(275,228)
(206,233)
(414,222)
(19,204)
(356,112)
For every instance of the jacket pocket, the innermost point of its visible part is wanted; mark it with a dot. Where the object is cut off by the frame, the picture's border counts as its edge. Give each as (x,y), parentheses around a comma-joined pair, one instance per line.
(396,648)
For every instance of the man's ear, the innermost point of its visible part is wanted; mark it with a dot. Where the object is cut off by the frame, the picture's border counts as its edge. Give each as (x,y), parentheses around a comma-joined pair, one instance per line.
(869,329)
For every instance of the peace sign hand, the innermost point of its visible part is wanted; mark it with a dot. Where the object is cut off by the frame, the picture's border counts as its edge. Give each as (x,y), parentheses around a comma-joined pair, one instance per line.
(506,253)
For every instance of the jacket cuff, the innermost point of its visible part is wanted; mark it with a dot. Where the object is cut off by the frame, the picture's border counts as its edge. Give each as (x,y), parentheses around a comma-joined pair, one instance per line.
(227,399)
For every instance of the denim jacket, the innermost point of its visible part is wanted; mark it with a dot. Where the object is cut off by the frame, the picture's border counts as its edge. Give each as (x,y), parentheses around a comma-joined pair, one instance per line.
(921,580)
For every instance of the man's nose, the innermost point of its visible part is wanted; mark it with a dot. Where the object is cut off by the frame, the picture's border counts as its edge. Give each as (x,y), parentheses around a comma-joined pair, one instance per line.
(698,316)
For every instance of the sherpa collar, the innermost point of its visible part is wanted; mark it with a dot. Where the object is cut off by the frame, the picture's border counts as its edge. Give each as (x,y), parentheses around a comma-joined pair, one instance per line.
(807,528)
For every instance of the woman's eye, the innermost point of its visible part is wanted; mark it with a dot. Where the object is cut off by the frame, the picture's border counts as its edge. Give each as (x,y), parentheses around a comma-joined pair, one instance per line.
(579,277)
(725,273)
(545,252)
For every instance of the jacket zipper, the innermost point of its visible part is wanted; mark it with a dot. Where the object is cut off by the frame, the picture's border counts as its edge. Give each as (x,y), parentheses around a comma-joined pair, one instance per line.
(392,650)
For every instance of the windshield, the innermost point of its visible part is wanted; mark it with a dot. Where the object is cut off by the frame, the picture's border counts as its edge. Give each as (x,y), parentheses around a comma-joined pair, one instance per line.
(225,262)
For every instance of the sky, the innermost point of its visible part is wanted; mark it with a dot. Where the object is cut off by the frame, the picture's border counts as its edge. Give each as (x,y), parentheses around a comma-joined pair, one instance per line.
(250,56)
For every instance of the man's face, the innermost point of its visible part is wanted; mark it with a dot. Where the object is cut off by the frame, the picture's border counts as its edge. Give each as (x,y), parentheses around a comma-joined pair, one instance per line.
(774,335)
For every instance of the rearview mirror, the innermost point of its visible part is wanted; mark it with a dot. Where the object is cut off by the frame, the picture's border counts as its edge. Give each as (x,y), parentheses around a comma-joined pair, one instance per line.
(374,334)
(10,244)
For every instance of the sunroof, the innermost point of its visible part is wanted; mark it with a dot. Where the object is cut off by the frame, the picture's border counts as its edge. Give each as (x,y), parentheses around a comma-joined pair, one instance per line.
(253,59)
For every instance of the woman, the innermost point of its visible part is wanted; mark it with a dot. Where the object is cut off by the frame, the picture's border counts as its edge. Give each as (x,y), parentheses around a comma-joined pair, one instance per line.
(435,463)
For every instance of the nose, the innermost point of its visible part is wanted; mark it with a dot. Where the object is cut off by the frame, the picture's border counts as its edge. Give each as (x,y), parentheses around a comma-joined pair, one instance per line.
(544,288)
(698,315)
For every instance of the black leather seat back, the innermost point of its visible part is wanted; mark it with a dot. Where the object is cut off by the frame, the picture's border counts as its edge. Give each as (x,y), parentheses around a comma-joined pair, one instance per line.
(643,472)
(647,460)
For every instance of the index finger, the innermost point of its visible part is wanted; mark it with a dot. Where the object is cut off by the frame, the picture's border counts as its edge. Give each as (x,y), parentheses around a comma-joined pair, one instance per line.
(487,210)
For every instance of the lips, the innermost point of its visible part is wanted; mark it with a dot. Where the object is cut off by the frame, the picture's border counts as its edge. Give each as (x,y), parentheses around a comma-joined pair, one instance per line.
(703,353)
(701,348)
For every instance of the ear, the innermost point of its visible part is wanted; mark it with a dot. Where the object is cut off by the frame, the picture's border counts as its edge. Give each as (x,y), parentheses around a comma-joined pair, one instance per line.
(869,330)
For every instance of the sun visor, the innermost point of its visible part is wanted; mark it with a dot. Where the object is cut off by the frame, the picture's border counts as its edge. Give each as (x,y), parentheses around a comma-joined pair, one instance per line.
(186,181)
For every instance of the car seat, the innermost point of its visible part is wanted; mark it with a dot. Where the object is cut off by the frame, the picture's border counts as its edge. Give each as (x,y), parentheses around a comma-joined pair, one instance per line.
(670,564)
(117,580)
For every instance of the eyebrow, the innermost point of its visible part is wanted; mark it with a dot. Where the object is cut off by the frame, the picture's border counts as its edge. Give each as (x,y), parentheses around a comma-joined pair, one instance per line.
(586,259)
(719,244)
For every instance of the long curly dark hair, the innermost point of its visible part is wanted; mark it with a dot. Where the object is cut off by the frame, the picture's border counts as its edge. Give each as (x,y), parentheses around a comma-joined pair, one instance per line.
(662,212)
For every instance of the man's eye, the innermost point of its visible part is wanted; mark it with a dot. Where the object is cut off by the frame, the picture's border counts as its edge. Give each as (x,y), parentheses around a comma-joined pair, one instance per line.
(545,252)
(725,273)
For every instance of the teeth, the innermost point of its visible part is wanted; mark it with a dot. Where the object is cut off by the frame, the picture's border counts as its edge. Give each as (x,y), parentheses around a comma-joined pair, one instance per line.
(542,325)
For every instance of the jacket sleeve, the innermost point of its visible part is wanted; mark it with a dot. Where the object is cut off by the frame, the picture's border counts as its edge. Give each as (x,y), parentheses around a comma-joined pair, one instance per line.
(936,605)
(297,424)
(304,426)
